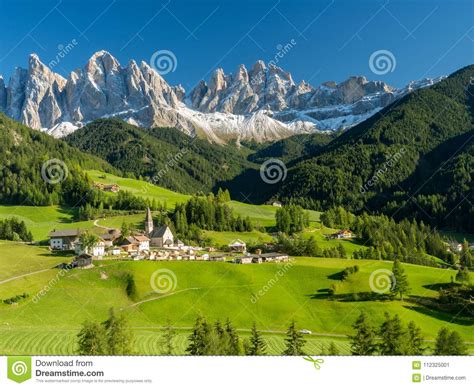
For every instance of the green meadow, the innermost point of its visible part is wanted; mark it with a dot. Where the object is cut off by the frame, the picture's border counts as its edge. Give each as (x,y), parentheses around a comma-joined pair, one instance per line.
(269,294)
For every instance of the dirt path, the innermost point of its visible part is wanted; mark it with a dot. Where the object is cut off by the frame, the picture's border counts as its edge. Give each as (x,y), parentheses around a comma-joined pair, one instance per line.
(96,223)
(160,297)
(23,275)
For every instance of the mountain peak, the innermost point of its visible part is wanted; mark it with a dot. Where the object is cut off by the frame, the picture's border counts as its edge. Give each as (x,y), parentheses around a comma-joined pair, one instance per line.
(261,104)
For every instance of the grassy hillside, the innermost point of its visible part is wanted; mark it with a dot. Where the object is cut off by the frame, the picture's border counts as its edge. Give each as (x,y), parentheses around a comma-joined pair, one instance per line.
(40,170)
(419,150)
(171,158)
(264,215)
(217,290)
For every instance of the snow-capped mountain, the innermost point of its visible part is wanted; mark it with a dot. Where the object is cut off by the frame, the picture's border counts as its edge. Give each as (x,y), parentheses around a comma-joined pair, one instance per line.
(261,104)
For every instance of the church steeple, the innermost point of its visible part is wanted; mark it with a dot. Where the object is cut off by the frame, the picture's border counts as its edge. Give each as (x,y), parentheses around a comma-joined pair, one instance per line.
(148,222)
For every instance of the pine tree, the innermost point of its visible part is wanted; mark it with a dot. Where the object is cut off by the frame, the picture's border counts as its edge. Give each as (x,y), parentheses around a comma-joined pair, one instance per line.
(391,333)
(400,286)
(91,339)
(233,347)
(294,341)
(257,346)
(341,251)
(449,343)
(363,342)
(119,338)
(413,341)
(463,276)
(466,259)
(167,339)
(199,338)
(333,350)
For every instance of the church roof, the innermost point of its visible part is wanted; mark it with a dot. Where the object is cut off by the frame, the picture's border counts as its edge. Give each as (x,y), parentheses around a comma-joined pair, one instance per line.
(160,232)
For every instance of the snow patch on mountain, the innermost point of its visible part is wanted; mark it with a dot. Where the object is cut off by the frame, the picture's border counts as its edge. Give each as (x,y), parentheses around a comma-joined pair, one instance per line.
(261,104)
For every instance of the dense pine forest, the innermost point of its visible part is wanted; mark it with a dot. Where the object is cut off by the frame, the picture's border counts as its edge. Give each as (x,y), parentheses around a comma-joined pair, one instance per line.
(414,158)
(163,156)
(28,178)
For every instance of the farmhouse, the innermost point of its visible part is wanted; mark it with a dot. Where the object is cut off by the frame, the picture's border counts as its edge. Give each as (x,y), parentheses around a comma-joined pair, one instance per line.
(344,233)
(274,257)
(64,240)
(114,188)
(160,237)
(243,260)
(217,258)
(110,237)
(96,250)
(136,243)
(82,261)
(238,246)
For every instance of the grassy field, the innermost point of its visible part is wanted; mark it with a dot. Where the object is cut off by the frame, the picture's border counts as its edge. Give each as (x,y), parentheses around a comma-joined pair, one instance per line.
(319,234)
(40,220)
(218,290)
(139,188)
(264,215)
(269,294)
(225,238)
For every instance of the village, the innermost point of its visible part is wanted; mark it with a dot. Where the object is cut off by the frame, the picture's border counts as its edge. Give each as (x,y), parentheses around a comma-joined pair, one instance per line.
(153,243)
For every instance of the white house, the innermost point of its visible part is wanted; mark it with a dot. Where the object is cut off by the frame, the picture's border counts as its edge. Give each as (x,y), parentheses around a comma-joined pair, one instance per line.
(143,243)
(243,260)
(64,240)
(97,250)
(238,246)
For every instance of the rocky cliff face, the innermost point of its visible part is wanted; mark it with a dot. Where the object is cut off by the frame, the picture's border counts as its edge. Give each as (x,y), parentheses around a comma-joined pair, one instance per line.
(261,104)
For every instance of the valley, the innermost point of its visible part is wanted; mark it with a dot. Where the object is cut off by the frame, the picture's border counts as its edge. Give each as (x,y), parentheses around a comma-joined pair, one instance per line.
(49,323)
(87,221)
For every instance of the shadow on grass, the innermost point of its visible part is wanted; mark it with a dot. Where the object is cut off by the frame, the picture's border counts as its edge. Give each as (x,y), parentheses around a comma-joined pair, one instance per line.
(58,254)
(439,286)
(336,276)
(443,316)
(325,293)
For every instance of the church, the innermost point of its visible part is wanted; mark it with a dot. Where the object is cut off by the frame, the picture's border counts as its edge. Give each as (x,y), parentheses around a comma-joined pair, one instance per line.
(159,237)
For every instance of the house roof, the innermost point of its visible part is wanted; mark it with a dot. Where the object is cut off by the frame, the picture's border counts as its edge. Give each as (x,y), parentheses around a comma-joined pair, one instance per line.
(160,232)
(237,243)
(273,254)
(133,239)
(83,256)
(65,233)
(141,238)
(108,237)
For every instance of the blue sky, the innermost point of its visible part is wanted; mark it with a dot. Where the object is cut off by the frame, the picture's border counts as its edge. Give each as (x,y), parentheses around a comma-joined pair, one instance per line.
(331,39)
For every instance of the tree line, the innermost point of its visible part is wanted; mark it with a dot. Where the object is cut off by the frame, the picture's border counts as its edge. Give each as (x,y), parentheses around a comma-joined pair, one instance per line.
(408,241)
(14,230)
(393,338)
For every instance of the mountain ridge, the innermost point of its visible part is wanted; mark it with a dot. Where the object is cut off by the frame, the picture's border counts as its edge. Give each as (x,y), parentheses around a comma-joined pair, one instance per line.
(263,104)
